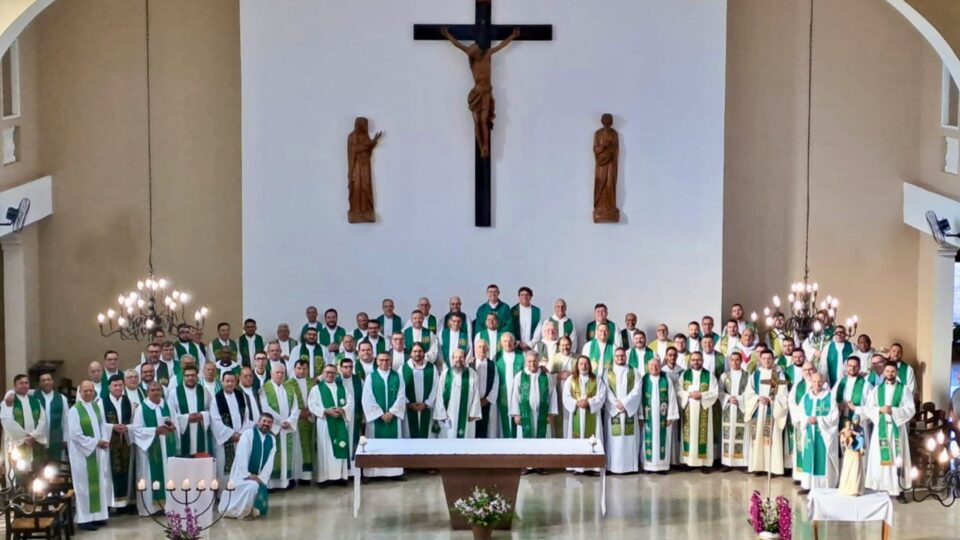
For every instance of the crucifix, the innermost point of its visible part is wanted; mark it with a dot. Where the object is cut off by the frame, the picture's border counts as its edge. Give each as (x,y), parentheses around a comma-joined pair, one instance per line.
(480,100)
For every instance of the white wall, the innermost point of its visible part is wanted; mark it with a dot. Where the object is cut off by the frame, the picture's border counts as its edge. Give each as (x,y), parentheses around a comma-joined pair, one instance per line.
(310,66)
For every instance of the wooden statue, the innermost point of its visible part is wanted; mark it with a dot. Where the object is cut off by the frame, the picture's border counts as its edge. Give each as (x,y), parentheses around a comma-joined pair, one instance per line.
(480,98)
(851,473)
(606,149)
(360,174)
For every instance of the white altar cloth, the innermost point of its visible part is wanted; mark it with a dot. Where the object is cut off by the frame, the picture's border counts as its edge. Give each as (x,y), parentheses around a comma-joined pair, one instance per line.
(828,505)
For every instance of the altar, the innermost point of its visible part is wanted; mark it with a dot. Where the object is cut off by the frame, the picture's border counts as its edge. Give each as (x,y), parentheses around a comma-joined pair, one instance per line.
(494,464)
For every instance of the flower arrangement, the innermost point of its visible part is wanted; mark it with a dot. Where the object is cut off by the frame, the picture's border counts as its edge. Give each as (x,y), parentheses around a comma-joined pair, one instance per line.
(484,509)
(771,517)
(182,527)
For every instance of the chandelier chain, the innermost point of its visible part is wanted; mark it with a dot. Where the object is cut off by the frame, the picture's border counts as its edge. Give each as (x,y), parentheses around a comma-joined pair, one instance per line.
(149,139)
(806,244)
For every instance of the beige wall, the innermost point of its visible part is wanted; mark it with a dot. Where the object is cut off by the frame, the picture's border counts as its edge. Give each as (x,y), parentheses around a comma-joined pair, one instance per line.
(875,124)
(92,93)
(28,167)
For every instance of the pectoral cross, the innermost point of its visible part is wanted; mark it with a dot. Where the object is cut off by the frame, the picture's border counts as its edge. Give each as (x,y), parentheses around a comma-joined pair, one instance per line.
(482,32)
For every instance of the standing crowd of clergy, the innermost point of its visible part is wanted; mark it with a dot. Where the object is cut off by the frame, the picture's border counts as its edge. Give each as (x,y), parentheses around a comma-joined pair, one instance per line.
(292,411)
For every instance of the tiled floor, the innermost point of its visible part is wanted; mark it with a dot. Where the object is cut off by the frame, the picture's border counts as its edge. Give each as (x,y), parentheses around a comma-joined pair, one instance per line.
(676,506)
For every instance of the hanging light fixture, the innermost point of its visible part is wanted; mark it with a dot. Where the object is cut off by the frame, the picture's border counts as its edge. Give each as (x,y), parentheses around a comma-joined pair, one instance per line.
(154,304)
(808,314)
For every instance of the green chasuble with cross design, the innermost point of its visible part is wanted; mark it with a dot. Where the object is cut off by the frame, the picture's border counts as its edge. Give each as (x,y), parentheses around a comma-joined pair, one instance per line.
(305,426)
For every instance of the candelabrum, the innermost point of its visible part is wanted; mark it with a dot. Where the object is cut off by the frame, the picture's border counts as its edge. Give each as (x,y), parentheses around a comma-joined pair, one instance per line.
(807,316)
(938,473)
(189,495)
(153,306)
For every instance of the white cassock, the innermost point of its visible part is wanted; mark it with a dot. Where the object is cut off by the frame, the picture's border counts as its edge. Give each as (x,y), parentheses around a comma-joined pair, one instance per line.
(327,467)
(488,387)
(300,469)
(223,432)
(448,412)
(510,360)
(734,449)
(767,423)
(676,449)
(529,334)
(14,434)
(181,417)
(534,400)
(355,398)
(594,408)
(622,442)
(143,438)
(372,412)
(81,448)
(819,470)
(419,373)
(657,413)
(691,429)
(891,435)
(286,410)
(241,501)
(399,358)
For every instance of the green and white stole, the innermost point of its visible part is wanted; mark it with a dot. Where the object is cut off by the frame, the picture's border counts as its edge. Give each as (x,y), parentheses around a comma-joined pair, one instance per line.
(815,449)
(835,361)
(794,434)
(303,332)
(463,343)
(215,346)
(55,423)
(273,401)
(703,419)
(888,426)
(663,396)
(202,431)
(534,320)
(155,455)
(856,397)
(379,347)
(184,349)
(35,408)
(633,359)
(336,426)
(419,421)
(245,359)
(397,324)
(598,360)
(305,426)
(385,393)
(902,368)
(425,339)
(315,360)
(163,372)
(234,368)
(93,466)
(507,426)
(463,403)
(493,342)
(566,327)
(588,430)
(616,430)
(323,335)
(592,329)
(259,454)
(526,411)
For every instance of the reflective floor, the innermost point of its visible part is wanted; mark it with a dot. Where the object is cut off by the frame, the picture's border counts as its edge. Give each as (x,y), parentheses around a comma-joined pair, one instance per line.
(676,506)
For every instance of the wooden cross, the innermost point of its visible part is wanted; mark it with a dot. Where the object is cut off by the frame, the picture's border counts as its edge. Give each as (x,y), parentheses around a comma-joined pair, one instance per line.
(482,32)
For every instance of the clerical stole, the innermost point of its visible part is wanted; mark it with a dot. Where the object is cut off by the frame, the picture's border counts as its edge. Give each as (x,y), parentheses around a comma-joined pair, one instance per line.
(305,426)
(856,397)
(385,393)
(245,358)
(419,421)
(600,359)
(314,360)
(259,454)
(461,342)
(815,448)
(120,451)
(592,329)
(543,407)
(508,429)
(463,405)
(336,426)
(35,408)
(426,339)
(589,429)
(836,359)
(616,430)
(323,336)
(887,430)
(55,423)
(273,401)
(204,441)
(734,425)
(636,362)
(155,451)
(703,419)
(663,400)
(91,463)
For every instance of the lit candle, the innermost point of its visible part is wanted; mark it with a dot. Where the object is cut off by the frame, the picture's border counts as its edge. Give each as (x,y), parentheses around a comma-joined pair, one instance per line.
(156,485)
(170,485)
(38,486)
(230,485)
(49,472)
(141,485)
(186,484)
(201,485)
(215,484)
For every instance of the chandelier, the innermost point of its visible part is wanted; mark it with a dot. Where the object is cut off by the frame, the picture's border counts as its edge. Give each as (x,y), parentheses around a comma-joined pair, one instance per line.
(154,304)
(807,316)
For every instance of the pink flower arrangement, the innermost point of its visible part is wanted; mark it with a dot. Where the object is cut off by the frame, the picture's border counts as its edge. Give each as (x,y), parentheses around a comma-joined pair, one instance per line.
(771,516)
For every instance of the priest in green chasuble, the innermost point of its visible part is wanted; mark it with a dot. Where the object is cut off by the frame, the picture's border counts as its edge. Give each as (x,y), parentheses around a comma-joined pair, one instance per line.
(600,319)
(834,356)
(905,372)
(819,436)
(313,316)
(429,320)
(329,402)
(185,346)
(375,338)
(851,393)
(658,414)
(509,363)
(282,406)
(766,407)
(384,407)
(890,407)
(256,452)
(623,415)
(421,380)
(250,343)
(304,438)
(88,445)
(458,405)
(495,306)
(533,400)
(583,397)
(599,350)
(55,409)
(698,392)
(639,355)
(798,389)
(331,335)
(490,331)
(310,351)
(418,333)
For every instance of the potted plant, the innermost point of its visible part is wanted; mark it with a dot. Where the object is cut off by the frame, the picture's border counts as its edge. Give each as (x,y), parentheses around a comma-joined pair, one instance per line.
(771,519)
(182,527)
(483,510)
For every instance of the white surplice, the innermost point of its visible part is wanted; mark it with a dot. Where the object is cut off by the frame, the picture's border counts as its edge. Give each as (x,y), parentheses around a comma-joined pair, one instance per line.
(879,476)
(326,465)
(240,504)
(734,448)
(534,399)
(765,447)
(594,408)
(143,437)
(287,413)
(669,411)
(222,433)
(623,450)
(372,412)
(79,448)
(447,414)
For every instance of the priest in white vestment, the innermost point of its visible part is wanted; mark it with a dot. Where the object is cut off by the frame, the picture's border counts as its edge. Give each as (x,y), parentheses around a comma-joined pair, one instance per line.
(282,406)
(834,356)
(454,336)
(509,363)
(354,415)
(672,368)
(491,333)
(600,349)
(55,409)
(533,400)
(526,320)
(905,371)
(312,352)
(659,412)
(623,415)
(488,391)
(384,406)
(697,393)
(767,409)
(890,407)
(231,414)
(565,326)
(458,403)
(584,395)
(851,393)
(329,402)
(88,446)
(421,380)
(154,434)
(801,383)
(190,406)
(548,345)
(284,340)
(256,451)
(734,449)
(304,439)
(820,437)
(24,424)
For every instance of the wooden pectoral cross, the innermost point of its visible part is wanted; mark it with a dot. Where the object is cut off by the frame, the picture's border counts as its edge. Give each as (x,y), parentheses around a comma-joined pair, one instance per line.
(482,32)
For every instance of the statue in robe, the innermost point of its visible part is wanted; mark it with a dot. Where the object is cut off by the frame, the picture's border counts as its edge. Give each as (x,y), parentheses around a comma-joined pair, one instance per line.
(360,174)
(851,472)
(480,98)
(606,149)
